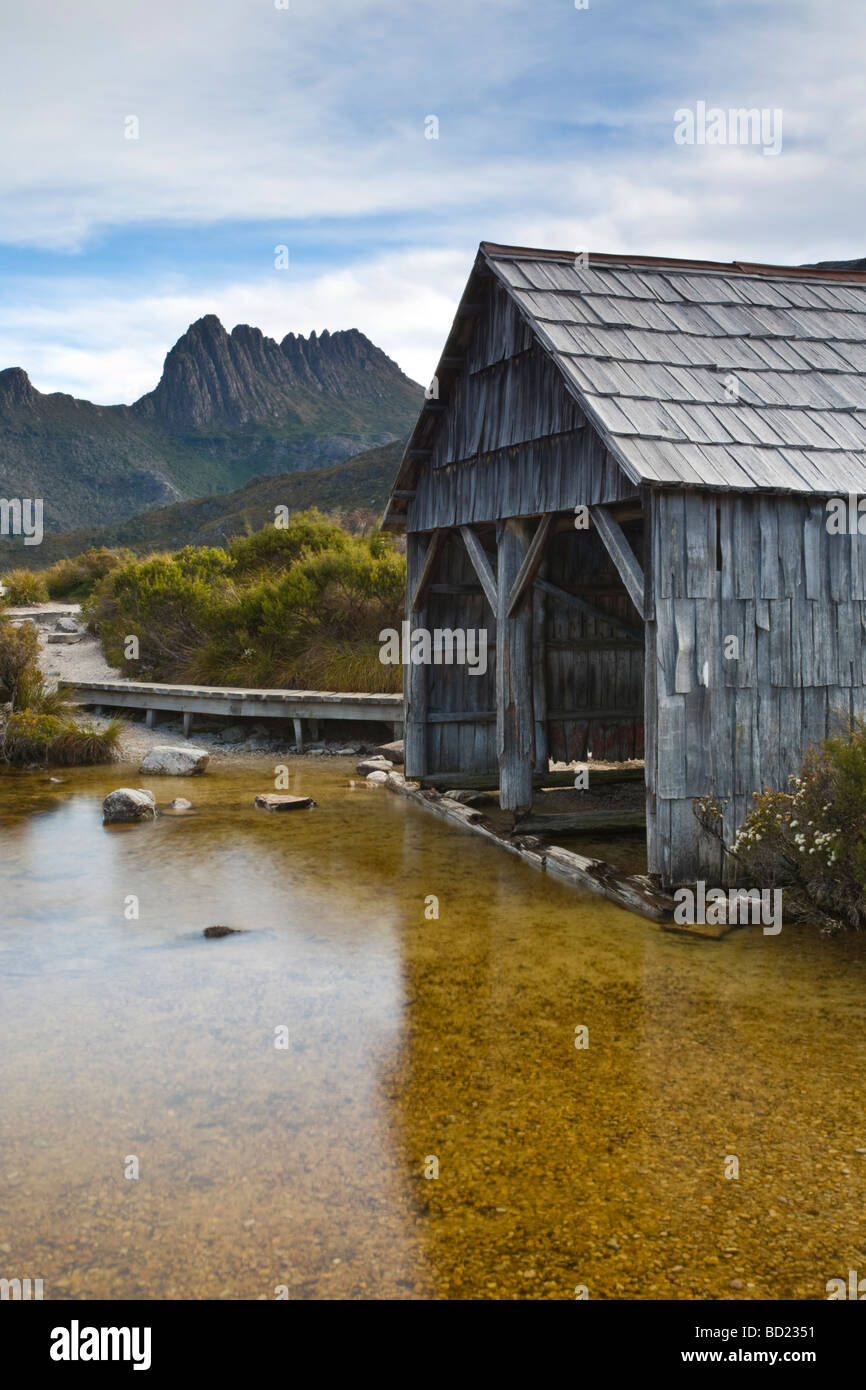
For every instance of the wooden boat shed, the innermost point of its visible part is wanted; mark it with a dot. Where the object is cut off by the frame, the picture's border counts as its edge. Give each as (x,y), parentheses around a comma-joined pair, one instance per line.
(708,616)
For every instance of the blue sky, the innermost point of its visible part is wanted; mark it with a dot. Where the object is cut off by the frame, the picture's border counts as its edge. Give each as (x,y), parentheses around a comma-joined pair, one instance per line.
(305,127)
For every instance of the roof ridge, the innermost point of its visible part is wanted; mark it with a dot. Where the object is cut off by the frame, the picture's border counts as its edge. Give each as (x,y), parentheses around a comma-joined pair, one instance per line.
(661,263)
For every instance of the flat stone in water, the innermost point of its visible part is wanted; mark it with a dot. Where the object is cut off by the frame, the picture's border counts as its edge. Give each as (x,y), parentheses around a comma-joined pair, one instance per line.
(271,801)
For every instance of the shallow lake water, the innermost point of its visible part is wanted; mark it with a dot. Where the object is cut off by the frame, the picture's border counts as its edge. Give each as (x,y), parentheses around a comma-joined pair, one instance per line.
(409,1039)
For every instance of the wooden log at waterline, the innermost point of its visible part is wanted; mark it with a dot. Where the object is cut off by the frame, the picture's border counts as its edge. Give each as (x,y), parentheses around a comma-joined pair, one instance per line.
(634,892)
(583,823)
(489,781)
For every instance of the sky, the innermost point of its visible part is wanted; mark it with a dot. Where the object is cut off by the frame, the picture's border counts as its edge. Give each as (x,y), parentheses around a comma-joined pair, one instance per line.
(156,153)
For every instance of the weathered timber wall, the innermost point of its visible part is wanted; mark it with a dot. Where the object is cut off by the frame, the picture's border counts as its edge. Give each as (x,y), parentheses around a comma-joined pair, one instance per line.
(511,440)
(766,571)
(467,744)
(594,671)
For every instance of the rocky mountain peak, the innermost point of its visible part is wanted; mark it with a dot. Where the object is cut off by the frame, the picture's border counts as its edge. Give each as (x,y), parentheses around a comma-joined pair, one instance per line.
(240,378)
(16,388)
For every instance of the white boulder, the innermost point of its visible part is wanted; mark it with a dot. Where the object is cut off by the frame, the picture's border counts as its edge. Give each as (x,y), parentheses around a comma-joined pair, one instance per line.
(167,761)
(128,804)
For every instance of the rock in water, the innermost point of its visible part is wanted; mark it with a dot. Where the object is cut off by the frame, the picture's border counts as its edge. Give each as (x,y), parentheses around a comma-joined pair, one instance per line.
(126,804)
(270,801)
(374,765)
(179,807)
(166,761)
(66,625)
(377,775)
(222,931)
(392,751)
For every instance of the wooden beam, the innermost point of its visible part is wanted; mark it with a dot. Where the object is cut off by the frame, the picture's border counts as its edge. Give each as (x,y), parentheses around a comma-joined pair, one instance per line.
(623,511)
(636,892)
(481,565)
(489,781)
(621,553)
(465,716)
(589,608)
(515,729)
(582,823)
(425,573)
(530,567)
(601,716)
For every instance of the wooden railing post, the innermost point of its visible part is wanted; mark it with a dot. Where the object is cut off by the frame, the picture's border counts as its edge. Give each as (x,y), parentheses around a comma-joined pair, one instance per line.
(515,733)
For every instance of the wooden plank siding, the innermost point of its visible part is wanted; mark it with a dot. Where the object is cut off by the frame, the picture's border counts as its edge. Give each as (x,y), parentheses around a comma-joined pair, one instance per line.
(785,590)
(590,666)
(468,744)
(511,440)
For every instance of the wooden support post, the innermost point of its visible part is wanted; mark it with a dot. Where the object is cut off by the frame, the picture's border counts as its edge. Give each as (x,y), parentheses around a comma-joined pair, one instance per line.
(425,571)
(650,687)
(539,677)
(314,729)
(415,677)
(514,717)
(621,553)
(299,734)
(187,724)
(397,729)
(150,719)
(97,711)
(481,564)
(531,565)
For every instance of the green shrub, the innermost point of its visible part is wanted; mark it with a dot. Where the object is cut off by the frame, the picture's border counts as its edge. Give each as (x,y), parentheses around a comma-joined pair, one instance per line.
(76,578)
(19,651)
(24,586)
(295,607)
(276,548)
(31,737)
(34,695)
(811,839)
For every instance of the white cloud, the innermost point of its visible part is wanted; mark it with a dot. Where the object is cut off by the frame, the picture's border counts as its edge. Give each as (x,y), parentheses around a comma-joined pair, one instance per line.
(404,302)
(556,129)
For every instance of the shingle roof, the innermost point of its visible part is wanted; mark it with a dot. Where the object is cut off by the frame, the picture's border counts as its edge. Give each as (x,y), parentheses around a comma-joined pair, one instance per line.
(706,375)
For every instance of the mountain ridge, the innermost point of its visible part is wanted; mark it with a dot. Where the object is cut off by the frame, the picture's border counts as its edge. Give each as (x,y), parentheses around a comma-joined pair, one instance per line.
(359,484)
(227,407)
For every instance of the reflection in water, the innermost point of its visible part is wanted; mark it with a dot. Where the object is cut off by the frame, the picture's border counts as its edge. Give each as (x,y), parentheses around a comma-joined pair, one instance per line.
(407,1038)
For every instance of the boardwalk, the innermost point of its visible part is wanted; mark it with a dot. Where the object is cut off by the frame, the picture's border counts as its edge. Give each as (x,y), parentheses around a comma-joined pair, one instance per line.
(301,706)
